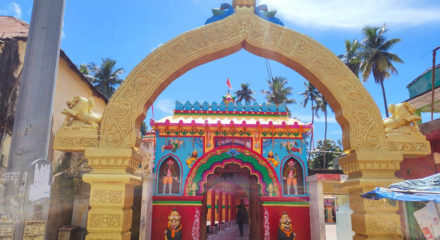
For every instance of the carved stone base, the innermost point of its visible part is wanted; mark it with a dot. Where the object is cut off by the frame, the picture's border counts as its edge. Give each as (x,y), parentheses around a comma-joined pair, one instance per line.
(108,236)
(111,194)
(75,140)
(409,144)
(372,219)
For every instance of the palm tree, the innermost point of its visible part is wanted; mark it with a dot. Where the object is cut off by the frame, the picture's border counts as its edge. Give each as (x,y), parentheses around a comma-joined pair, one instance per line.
(376,59)
(351,57)
(106,76)
(245,93)
(310,94)
(278,92)
(322,104)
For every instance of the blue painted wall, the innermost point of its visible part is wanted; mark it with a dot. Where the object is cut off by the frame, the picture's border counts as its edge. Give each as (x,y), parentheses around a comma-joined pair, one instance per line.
(180,148)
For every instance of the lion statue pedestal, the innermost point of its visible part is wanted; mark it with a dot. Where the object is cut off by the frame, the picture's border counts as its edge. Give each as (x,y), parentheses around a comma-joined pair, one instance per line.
(80,127)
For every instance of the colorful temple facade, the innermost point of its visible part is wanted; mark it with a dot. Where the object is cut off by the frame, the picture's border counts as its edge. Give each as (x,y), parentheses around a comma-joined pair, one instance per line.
(219,156)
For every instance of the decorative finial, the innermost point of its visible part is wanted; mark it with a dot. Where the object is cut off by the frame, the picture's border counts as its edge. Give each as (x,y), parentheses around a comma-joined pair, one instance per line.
(242,3)
(228,98)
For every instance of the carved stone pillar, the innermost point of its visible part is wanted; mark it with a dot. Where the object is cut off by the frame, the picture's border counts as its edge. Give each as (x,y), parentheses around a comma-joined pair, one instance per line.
(372,219)
(111,193)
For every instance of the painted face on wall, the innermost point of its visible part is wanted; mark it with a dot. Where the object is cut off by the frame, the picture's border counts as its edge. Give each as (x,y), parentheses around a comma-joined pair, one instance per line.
(174,218)
(170,162)
(285,222)
(291,163)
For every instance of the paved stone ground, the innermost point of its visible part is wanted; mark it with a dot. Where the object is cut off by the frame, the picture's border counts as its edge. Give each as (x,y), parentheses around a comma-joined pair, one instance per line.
(330,232)
(231,233)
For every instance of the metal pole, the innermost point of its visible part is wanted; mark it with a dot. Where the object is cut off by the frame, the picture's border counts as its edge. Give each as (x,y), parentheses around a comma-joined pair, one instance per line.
(433,82)
(28,191)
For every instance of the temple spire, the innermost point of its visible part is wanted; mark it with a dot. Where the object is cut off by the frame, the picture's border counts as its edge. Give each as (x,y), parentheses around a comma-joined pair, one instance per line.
(228,98)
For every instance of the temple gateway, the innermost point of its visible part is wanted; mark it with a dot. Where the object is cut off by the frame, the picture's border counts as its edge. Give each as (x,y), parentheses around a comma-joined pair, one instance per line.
(211,158)
(214,160)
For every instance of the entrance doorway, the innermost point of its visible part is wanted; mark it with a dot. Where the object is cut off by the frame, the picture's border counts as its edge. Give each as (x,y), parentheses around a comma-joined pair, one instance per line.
(228,189)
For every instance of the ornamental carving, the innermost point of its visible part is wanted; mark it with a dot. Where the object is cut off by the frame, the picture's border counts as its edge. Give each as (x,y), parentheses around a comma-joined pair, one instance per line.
(379,224)
(75,140)
(422,147)
(106,196)
(347,96)
(103,220)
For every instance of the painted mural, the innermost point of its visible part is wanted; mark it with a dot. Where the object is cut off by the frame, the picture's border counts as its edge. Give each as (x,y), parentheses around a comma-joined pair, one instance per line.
(286,156)
(292,178)
(169,177)
(211,157)
(174,157)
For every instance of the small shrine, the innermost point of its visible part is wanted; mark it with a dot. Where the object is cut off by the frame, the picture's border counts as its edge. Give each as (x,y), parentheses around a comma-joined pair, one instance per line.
(219,157)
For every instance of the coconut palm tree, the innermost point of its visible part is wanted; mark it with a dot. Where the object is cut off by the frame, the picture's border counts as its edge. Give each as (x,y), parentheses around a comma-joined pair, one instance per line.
(278,92)
(106,76)
(351,57)
(322,104)
(310,95)
(376,57)
(245,93)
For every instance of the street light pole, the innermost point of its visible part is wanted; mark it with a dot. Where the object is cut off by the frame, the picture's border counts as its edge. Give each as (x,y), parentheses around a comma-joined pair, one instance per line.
(29,172)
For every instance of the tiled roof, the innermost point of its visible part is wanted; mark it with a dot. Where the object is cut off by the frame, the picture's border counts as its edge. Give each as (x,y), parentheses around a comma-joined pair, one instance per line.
(11,27)
(227,120)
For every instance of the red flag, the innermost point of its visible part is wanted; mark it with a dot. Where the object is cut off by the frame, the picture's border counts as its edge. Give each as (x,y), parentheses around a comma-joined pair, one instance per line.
(229,84)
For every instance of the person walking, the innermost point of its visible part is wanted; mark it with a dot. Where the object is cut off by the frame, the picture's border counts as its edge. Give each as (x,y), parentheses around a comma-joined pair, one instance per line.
(241,217)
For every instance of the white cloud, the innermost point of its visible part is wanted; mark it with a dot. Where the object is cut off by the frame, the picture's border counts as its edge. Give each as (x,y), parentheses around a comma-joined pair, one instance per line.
(12,9)
(349,14)
(165,105)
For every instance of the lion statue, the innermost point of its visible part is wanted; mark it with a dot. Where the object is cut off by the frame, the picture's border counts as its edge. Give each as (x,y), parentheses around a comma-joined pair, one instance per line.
(402,120)
(79,113)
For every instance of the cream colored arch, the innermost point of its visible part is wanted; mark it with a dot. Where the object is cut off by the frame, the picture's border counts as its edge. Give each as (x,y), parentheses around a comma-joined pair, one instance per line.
(372,160)
(354,108)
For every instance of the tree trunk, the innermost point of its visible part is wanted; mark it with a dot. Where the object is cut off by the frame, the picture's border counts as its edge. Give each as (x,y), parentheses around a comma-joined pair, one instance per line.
(384,98)
(311,138)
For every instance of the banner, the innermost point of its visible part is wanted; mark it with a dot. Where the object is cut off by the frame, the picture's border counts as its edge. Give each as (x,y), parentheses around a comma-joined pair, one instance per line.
(429,221)
(226,141)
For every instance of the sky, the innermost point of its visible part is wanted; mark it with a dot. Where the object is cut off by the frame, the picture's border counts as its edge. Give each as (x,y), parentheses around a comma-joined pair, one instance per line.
(130,30)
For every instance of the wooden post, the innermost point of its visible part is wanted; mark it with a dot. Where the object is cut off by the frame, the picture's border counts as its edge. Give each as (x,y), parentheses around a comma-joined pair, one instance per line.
(220,208)
(212,209)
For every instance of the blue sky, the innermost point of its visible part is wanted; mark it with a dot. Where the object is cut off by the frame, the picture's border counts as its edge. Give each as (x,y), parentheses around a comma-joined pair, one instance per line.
(129,30)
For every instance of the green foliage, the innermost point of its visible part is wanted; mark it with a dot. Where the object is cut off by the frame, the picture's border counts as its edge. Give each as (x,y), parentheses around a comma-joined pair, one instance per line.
(312,95)
(105,76)
(143,129)
(326,151)
(351,57)
(279,92)
(376,57)
(245,93)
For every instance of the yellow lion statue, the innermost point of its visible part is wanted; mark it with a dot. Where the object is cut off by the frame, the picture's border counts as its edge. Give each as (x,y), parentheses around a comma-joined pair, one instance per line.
(79,113)
(402,120)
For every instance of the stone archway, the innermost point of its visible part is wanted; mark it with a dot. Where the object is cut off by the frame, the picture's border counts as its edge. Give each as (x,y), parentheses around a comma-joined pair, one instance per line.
(354,108)
(112,151)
